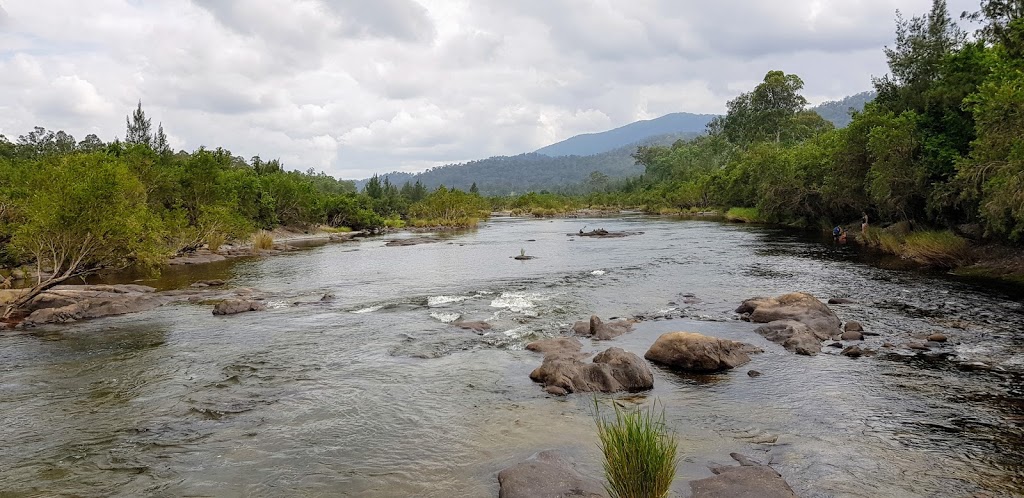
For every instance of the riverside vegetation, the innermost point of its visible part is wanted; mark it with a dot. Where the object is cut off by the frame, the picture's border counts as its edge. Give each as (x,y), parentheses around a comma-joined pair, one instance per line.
(938,152)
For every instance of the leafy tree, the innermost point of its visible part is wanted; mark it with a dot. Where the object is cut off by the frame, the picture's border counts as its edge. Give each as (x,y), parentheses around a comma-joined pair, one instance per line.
(91,143)
(160,145)
(1002,24)
(87,212)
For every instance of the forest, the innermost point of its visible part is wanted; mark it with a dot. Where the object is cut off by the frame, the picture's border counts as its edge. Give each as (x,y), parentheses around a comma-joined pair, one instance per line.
(938,151)
(939,148)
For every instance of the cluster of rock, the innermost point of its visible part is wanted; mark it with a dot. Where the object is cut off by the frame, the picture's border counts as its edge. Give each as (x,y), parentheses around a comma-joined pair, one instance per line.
(797,321)
(564,369)
(690,352)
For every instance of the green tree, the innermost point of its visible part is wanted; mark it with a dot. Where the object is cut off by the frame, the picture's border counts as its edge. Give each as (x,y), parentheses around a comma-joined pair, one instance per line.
(138,126)
(87,212)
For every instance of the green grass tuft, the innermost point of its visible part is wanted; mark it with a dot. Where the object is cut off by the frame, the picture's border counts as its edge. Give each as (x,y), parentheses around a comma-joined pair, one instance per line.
(215,240)
(639,453)
(937,248)
(743,215)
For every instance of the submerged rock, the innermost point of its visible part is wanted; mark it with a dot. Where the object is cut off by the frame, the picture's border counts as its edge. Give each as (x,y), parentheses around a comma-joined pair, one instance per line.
(937,338)
(601,331)
(613,370)
(798,321)
(601,233)
(852,335)
(853,327)
(690,352)
(556,345)
(749,480)
(236,306)
(548,474)
(841,300)
(412,241)
(474,325)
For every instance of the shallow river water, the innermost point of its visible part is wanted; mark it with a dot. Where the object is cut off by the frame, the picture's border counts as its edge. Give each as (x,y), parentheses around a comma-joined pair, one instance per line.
(376,394)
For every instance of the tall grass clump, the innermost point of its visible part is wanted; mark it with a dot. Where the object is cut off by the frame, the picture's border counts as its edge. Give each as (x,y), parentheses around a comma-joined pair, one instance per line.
(639,453)
(937,248)
(215,240)
(262,240)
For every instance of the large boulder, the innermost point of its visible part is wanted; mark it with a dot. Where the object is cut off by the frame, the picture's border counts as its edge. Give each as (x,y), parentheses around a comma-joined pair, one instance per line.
(798,321)
(613,370)
(548,474)
(749,480)
(602,331)
(236,306)
(698,353)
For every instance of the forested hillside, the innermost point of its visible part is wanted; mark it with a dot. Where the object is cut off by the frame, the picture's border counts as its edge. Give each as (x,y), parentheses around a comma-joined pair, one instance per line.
(839,111)
(679,123)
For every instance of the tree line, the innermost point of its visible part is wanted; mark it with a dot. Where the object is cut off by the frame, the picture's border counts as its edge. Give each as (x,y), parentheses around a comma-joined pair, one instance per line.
(940,146)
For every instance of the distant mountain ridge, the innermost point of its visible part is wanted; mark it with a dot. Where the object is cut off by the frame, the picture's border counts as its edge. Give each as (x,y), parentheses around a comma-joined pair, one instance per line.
(571,161)
(595,143)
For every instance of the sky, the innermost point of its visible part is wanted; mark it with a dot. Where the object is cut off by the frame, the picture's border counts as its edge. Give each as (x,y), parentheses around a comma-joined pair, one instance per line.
(356,87)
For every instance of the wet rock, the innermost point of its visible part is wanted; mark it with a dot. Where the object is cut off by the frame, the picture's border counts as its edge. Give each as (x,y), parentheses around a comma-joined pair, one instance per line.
(798,321)
(866,333)
(602,331)
(614,370)
(690,352)
(548,474)
(792,335)
(933,345)
(327,297)
(523,257)
(851,335)
(937,338)
(476,326)
(556,345)
(754,373)
(601,233)
(888,344)
(853,327)
(69,303)
(854,352)
(841,300)
(236,306)
(208,283)
(837,345)
(412,241)
(555,391)
(749,480)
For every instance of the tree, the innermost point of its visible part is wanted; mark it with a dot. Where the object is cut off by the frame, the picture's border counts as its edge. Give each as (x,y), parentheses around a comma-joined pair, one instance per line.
(473,189)
(87,212)
(91,143)
(1000,17)
(160,145)
(765,114)
(373,188)
(138,128)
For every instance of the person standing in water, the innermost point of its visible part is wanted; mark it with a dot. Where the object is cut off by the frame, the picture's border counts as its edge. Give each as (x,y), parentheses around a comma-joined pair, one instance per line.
(864,223)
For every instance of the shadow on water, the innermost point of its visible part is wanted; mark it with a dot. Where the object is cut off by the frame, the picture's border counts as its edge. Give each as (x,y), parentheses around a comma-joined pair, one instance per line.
(377,393)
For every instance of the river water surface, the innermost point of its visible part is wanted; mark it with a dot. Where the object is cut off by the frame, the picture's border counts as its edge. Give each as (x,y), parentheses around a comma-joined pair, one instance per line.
(376,394)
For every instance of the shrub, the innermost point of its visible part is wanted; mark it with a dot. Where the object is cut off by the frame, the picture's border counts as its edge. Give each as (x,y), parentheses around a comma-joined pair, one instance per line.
(639,453)
(262,240)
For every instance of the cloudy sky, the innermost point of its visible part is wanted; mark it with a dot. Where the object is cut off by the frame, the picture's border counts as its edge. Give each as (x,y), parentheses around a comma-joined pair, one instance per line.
(353,87)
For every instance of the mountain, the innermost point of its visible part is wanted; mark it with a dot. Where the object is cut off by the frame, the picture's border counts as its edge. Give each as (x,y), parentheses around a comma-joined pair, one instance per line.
(503,175)
(596,143)
(838,111)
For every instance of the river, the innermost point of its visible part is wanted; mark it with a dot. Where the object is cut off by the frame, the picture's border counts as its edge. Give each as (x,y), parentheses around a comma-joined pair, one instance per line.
(376,394)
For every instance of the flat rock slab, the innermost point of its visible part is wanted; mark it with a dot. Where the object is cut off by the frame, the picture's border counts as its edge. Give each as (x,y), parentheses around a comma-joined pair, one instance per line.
(749,480)
(412,241)
(556,345)
(236,306)
(197,258)
(548,474)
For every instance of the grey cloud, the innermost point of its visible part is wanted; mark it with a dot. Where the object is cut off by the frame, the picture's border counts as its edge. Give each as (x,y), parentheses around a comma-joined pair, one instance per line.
(4,17)
(400,19)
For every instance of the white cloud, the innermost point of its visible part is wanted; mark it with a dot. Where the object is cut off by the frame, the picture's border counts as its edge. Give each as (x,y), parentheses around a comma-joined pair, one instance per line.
(353,87)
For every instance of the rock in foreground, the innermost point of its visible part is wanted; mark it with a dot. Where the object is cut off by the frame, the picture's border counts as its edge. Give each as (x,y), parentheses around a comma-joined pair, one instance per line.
(69,303)
(797,321)
(614,370)
(548,474)
(690,352)
(749,480)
